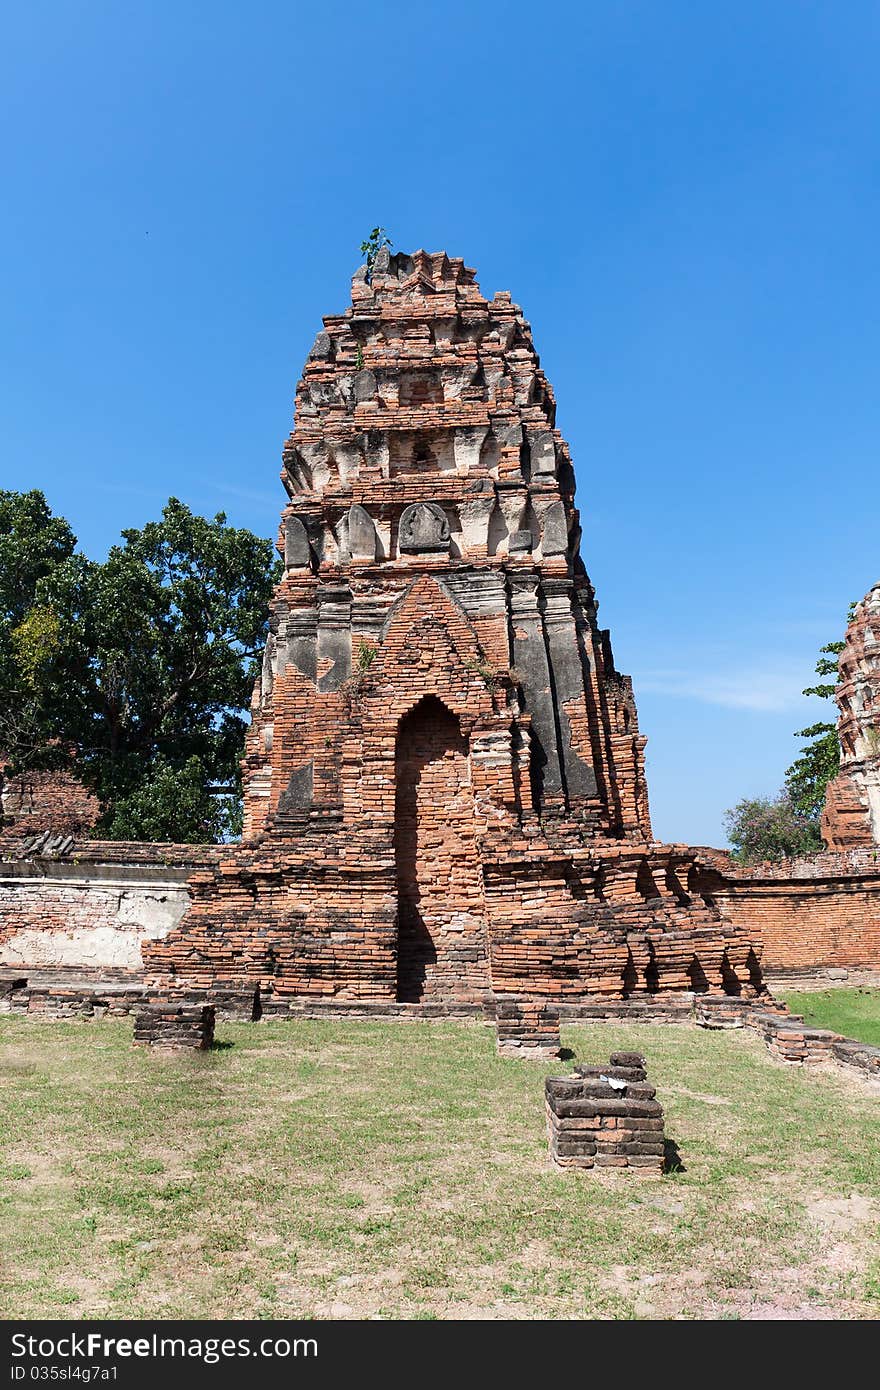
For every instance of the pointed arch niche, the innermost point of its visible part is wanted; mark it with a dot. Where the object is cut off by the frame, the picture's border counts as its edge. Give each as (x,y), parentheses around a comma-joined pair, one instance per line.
(441,931)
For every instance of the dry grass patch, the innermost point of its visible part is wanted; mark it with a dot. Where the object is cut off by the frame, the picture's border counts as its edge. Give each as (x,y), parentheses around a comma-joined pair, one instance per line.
(351,1169)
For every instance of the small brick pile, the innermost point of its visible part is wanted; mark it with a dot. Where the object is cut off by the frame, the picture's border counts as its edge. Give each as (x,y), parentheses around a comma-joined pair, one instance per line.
(175,1026)
(606,1117)
(527,1026)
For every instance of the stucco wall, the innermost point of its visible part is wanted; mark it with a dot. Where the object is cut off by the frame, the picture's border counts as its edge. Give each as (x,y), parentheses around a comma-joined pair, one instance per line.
(79,912)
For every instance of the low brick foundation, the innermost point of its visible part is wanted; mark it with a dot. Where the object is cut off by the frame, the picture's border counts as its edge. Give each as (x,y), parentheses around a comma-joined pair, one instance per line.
(641,1008)
(786,1035)
(849,1053)
(170,1025)
(804,980)
(527,1026)
(606,1117)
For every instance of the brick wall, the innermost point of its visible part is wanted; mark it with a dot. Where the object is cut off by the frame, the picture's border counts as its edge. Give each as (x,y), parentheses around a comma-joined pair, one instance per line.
(814,913)
(37,801)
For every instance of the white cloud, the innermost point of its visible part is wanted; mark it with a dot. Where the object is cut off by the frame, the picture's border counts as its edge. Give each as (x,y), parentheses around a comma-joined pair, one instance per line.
(762,689)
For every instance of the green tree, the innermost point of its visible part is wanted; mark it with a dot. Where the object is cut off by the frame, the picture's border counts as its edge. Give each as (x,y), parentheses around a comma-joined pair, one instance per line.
(770,828)
(160,652)
(143,666)
(819,761)
(33,545)
(175,804)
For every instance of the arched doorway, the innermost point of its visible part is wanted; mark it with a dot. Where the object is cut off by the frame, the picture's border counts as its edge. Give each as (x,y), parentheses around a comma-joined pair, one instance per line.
(441,936)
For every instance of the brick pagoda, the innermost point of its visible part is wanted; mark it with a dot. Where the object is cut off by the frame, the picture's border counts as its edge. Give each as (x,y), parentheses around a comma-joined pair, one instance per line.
(445,792)
(851,819)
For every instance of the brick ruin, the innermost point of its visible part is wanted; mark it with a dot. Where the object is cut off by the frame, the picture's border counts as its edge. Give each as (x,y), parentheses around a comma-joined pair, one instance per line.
(445,791)
(174,1026)
(852,803)
(606,1117)
(446,802)
(39,802)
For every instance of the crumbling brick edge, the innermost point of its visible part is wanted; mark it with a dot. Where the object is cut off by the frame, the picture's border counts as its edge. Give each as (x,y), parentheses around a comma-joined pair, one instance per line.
(787,1036)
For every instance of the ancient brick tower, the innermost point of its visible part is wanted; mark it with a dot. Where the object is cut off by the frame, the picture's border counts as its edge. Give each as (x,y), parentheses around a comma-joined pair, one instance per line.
(852,800)
(444,774)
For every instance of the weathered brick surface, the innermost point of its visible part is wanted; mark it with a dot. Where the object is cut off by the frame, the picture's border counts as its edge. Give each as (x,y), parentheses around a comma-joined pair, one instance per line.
(172,1026)
(445,791)
(852,805)
(441,926)
(606,1117)
(37,801)
(87,904)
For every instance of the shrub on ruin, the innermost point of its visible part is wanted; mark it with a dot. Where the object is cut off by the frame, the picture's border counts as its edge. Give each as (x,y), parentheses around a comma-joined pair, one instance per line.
(763,828)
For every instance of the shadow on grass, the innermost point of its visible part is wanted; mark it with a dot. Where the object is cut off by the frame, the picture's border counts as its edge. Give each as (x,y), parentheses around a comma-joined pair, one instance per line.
(672,1158)
(221,1046)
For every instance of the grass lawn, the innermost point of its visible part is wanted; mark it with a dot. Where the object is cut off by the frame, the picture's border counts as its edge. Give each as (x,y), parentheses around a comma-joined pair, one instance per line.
(853,1012)
(359,1169)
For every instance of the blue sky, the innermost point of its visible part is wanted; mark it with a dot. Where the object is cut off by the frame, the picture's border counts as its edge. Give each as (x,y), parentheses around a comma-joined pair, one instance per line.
(683,198)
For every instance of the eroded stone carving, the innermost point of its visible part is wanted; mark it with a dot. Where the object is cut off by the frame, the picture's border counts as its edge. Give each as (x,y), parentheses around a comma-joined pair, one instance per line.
(296,544)
(361,534)
(424,527)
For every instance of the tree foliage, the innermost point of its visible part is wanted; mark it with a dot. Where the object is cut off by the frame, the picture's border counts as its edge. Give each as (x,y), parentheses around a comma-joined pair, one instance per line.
(33,544)
(788,824)
(174,804)
(142,667)
(819,761)
(770,828)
